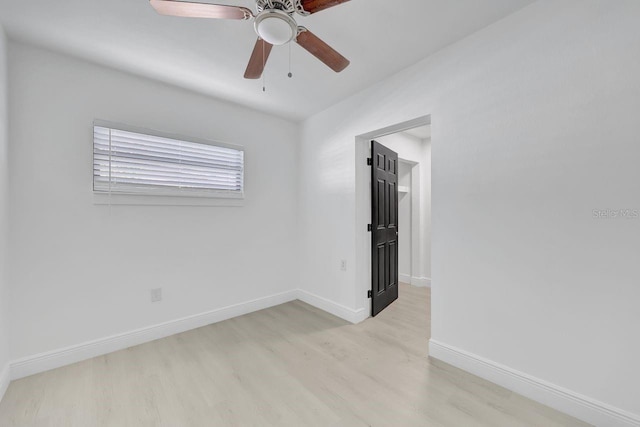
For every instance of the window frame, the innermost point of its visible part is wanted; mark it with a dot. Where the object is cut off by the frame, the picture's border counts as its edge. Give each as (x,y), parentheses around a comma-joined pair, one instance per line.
(170,196)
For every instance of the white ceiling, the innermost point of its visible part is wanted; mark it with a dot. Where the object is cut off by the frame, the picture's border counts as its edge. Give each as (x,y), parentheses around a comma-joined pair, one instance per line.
(380,37)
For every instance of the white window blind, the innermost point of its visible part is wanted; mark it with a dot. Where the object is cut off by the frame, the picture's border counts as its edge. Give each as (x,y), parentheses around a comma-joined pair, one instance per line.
(137,163)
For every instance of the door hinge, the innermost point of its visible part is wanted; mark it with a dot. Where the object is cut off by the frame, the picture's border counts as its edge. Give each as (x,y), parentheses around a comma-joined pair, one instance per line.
(369,227)
(369,161)
(369,294)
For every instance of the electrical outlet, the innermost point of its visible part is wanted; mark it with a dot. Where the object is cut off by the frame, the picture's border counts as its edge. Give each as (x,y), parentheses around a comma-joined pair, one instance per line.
(156,295)
(343,265)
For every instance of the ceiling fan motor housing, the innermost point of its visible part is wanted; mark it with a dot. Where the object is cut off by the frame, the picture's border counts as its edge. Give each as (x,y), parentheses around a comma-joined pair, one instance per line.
(288,6)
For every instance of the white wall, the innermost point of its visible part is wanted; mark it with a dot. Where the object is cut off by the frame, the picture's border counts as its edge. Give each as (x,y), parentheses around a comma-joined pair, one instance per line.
(4,229)
(82,271)
(534,125)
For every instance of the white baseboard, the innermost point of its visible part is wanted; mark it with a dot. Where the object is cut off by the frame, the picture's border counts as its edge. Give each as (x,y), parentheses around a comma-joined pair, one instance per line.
(404,278)
(346,313)
(421,282)
(567,401)
(5,378)
(54,359)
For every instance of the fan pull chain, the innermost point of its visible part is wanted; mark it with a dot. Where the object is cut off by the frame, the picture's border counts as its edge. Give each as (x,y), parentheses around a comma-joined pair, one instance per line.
(264,64)
(290,74)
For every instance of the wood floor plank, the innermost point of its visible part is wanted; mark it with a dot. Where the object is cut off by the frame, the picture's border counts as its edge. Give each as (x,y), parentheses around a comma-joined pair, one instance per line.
(290,365)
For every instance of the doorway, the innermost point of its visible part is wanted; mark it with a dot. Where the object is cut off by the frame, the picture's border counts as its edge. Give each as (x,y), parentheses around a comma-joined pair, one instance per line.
(412,141)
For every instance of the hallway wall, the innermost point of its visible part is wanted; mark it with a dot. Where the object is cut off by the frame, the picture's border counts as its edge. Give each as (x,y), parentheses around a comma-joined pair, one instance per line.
(405,231)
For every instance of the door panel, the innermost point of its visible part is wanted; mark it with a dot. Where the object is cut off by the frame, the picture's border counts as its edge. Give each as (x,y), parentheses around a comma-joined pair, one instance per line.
(382,254)
(384,217)
(381,207)
(393,191)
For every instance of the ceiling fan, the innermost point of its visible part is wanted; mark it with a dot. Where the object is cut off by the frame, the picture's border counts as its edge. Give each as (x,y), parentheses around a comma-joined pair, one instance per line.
(274,23)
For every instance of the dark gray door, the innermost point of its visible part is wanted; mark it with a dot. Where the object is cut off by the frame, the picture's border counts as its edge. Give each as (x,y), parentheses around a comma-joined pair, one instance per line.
(384,220)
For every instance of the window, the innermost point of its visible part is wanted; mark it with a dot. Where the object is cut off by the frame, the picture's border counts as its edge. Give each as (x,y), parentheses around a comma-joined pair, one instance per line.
(128,162)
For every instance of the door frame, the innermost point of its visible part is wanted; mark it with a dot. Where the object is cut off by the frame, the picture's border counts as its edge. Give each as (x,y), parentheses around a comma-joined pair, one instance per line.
(363,205)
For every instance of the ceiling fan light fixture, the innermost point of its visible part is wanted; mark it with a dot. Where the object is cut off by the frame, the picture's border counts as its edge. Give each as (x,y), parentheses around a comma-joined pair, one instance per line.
(276,27)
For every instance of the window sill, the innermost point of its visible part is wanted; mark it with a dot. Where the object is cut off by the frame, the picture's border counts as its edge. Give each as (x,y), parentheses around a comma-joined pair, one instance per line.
(102,199)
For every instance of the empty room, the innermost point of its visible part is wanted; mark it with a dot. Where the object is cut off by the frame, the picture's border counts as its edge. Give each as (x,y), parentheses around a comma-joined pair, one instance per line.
(340,213)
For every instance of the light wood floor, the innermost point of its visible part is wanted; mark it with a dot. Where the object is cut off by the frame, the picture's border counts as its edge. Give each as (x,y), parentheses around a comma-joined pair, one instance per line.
(291,365)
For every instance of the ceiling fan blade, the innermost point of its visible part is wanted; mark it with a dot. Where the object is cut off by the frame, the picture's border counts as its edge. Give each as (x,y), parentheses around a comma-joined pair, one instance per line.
(313,6)
(200,10)
(258,59)
(321,50)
